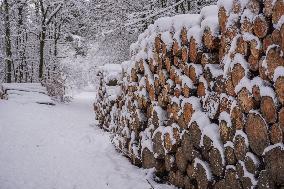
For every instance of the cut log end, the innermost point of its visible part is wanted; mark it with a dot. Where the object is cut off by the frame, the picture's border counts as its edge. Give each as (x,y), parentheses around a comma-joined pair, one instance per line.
(268,109)
(257,132)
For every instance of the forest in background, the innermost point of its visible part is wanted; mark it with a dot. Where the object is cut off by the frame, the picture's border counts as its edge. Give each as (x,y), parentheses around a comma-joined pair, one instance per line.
(38,35)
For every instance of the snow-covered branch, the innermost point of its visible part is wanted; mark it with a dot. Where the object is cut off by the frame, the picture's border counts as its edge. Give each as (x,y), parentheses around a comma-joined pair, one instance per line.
(155,14)
(56,10)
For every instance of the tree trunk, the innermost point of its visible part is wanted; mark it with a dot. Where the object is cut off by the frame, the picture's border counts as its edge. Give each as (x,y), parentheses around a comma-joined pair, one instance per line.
(8,59)
(41,52)
(21,40)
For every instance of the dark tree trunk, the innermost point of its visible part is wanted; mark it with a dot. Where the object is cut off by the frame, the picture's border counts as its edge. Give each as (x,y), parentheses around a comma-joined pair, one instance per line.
(45,22)
(21,47)
(176,7)
(41,52)
(8,59)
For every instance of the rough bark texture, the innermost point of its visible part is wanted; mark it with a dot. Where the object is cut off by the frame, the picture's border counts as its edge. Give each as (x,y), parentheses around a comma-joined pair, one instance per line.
(8,45)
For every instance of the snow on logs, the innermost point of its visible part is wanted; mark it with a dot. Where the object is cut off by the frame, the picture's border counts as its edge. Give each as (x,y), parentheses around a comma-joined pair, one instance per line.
(108,95)
(202,98)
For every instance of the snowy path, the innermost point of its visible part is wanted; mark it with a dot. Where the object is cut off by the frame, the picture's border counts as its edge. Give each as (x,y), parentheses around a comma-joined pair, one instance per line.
(56,148)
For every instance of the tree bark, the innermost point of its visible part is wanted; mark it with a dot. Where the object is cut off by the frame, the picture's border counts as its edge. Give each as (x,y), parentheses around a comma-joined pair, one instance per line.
(8,48)
(41,52)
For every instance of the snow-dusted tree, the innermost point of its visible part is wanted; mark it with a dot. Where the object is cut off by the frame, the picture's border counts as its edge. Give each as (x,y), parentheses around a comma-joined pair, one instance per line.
(8,46)
(117,23)
(47,10)
(33,31)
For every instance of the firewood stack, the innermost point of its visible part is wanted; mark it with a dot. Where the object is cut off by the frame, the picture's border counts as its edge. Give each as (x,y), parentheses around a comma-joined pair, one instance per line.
(202,98)
(108,95)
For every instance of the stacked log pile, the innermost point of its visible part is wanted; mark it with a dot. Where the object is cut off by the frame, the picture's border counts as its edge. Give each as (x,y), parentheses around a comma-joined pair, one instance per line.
(108,95)
(202,98)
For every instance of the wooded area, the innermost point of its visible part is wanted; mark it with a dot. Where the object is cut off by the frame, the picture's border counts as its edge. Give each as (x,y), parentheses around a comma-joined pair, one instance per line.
(201,99)
(35,32)
(30,33)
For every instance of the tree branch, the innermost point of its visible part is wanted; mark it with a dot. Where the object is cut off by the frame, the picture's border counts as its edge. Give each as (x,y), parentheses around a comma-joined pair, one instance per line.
(155,14)
(57,9)
(144,19)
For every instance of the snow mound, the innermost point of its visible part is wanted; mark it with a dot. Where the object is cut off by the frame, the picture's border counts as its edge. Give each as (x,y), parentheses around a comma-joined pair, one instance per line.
(26,93)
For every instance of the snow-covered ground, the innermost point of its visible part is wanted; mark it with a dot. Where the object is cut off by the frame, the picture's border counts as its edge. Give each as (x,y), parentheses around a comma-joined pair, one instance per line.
(59,147)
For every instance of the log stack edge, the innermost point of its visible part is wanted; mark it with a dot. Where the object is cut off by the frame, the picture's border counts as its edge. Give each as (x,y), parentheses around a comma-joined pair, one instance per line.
(202,98)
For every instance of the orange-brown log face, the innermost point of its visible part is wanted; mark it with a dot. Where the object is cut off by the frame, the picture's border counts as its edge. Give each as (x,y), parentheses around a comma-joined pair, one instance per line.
(254,6)
(253,63)
(176,61)
(274,159)
(186,91)
(152,93)
(282,37)
(181,160)
(260,26)
(168,64)
(177,93)
(158,44)
(268,109)
(193,50)
(268,7)
(231,32)
(208,39)
(242,46)
(237,8)
(256,93)
(273,60)
(278,11)
(184,55)
(201,177)
(276,134)
(238,73)
(279,88)
(186,70)
(240,147)
(175,48)
(226,133)
(281,118)
(225,105)
(267,41)
(222,16)
(230,89)
(246,26)
(215,161)
(256,129)
(184,36)
(192,74)
(164,49)
(255,51)
(148,159)
(158,147)
(230,155)
(276,37)
(188,111)
(246,100)
(201,90)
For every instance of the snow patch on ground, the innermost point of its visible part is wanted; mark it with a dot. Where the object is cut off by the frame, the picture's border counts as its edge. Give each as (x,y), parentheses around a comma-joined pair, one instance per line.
(59,147)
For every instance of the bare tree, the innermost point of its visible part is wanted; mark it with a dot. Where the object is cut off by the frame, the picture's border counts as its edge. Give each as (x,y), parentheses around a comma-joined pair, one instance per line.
(48,12)
(8,48)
